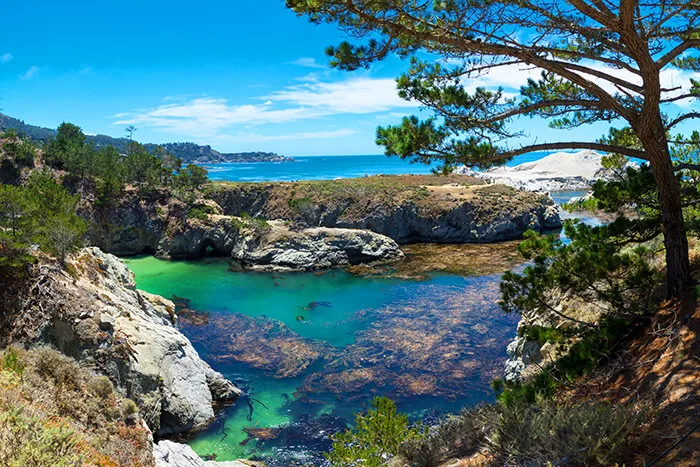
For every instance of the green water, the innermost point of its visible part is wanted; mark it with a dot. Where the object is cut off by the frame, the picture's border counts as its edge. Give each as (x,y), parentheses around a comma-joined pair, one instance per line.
(433,346)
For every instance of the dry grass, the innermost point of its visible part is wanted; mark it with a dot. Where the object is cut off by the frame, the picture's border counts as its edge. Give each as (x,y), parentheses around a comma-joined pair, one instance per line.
(52,412)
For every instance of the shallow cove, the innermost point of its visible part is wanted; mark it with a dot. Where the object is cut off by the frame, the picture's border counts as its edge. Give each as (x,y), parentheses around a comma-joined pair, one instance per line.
(312,349)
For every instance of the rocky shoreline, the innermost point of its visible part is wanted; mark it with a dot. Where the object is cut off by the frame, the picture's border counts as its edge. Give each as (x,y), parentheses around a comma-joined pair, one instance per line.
(305,226)
(91,311)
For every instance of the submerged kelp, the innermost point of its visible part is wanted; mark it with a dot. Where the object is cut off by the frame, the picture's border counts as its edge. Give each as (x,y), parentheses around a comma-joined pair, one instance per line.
(259,342)
(445,342)
(423,259)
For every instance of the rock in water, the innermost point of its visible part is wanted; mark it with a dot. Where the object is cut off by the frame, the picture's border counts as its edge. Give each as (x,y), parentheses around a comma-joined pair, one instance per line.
(280,248)
(170,454)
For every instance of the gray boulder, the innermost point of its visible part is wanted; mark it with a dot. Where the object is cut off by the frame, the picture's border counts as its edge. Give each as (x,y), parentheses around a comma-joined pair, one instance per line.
(280,248)
(170,454)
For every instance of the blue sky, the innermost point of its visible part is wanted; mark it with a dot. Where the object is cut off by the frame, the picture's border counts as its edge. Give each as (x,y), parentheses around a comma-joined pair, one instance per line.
(239,75)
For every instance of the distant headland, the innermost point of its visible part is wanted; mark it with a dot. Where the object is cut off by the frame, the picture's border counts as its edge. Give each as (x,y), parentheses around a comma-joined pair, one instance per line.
(188,152)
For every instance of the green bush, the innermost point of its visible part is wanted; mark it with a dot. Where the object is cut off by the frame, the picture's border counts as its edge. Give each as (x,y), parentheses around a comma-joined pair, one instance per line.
(548,433)
(376,437)
(26,440)
(101,386)
(456,436)
(198,213)
(301,205)
(592,348)
(12,362)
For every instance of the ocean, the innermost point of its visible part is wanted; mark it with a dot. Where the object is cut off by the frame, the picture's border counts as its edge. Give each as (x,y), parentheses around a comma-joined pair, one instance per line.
(327,168)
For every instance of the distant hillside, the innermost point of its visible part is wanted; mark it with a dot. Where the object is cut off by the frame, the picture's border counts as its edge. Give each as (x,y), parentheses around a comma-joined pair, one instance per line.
(188,152)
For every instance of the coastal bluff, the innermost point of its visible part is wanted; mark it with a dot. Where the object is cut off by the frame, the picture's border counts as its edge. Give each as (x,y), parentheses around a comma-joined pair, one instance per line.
(405,208)
(318,224)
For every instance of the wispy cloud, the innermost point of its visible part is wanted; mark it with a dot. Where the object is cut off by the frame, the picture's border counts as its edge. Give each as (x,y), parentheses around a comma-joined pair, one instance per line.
(212,117)
(307,62)
(6,57)
(353,96)
(512,77)
(30,73)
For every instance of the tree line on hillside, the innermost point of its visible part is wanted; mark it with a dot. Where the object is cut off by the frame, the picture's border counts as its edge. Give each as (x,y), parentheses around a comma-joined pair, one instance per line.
(41,191)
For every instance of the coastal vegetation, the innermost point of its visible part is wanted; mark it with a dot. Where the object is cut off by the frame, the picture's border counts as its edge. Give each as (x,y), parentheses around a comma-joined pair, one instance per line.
(187,152)
(43,190)
(52,412)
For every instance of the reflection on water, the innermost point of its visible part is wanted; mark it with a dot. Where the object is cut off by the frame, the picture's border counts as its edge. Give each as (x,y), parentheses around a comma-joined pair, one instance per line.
(311,350)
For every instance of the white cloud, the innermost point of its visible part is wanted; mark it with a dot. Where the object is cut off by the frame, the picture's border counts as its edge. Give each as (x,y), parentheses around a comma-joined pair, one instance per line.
(353,96)
(6,57)
(211,117)
(307,62)
(30,73)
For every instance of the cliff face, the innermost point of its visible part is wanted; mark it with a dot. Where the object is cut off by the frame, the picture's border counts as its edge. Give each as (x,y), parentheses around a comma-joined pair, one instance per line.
(92,312)
(159,225)
(408,209)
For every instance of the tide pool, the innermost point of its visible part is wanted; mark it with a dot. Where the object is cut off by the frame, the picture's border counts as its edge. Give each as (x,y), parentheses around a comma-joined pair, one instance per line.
(310,350)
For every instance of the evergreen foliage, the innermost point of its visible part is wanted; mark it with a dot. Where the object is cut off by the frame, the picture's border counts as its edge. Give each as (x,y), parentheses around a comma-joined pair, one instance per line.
(376,437)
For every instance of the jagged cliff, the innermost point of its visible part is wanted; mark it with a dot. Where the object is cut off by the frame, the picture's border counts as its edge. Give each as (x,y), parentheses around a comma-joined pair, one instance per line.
(92,312)
(332,223)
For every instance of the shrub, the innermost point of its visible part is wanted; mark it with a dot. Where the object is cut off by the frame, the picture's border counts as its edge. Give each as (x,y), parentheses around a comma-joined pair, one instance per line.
(560,434)
(26,440)
(66,416)
(457,436)
(501,190)
(12,362)
(198,213)
(376,437)
(303,206)
(61,369)
(101,386)
(129,408)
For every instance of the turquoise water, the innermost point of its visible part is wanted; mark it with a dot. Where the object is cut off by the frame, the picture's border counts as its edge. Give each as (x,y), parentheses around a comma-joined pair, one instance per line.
(310,350)
(327,168)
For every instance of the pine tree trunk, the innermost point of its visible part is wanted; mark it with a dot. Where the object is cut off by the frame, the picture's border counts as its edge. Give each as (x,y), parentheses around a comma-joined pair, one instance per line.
(678,273)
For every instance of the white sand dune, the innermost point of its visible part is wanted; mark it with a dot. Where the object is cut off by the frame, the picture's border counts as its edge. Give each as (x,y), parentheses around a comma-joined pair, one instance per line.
(561,171)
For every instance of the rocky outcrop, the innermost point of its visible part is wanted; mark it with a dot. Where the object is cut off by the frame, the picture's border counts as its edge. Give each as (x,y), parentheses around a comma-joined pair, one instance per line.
(281,248)
(421,210)
(170,454)
(92,312)
(164,226)
(412,209)
(527,357)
